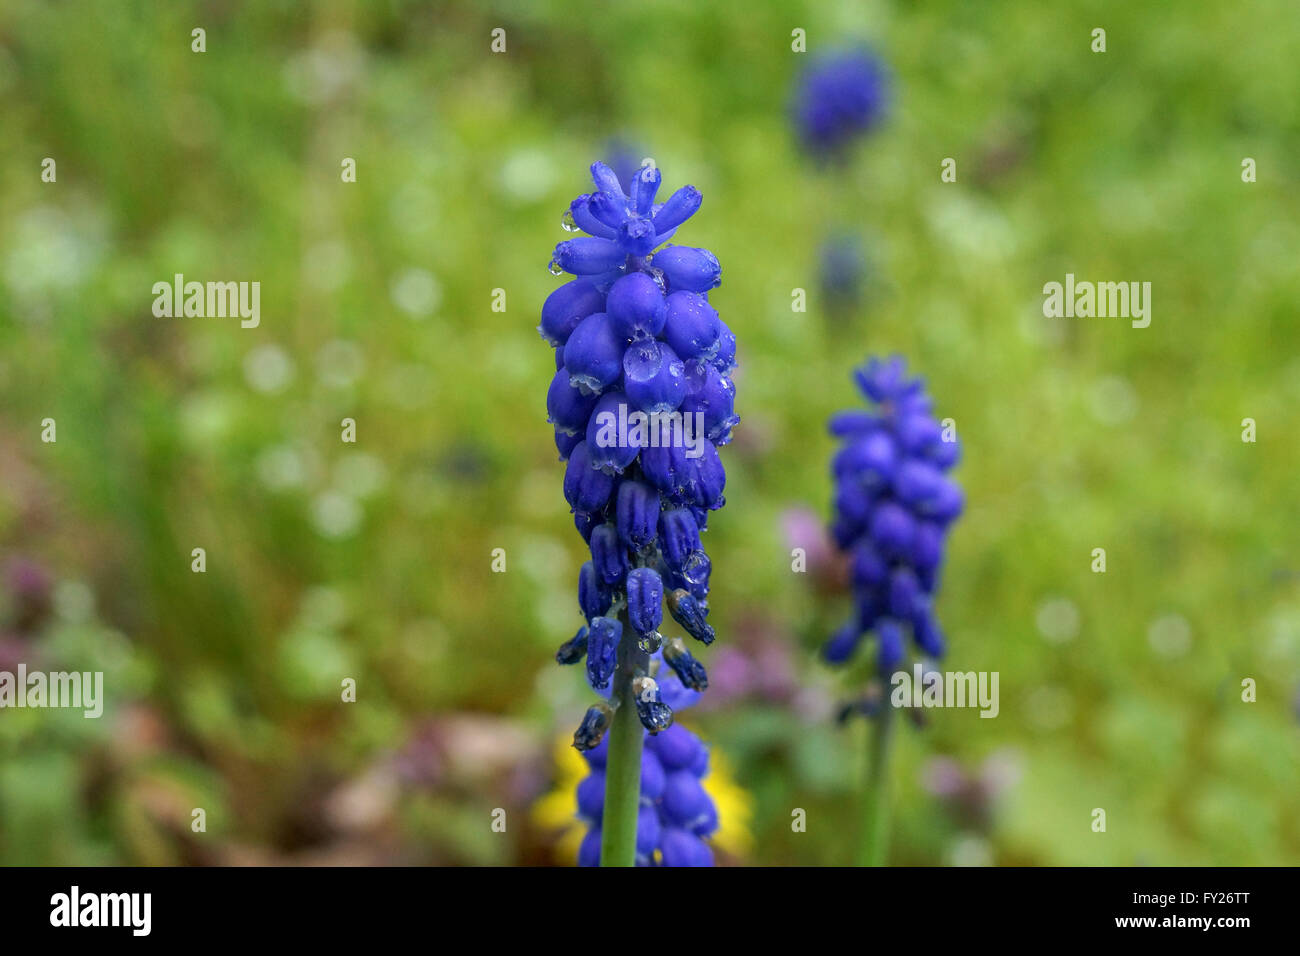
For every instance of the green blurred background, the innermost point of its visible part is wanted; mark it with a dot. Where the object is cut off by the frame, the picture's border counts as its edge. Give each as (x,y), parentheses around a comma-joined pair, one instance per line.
(371,560)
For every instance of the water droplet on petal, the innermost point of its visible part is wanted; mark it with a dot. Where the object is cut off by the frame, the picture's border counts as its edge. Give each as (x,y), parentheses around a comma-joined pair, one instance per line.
(696,568)
(648,163)
(567,222)
(554,268)
(650,643)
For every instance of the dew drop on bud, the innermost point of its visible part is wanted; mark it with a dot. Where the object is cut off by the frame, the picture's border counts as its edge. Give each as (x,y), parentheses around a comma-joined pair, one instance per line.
(554,268)
(567,222)
(696,568)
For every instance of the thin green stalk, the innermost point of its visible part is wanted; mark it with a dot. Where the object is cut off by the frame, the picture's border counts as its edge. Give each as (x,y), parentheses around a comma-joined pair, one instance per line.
(623,765)
(873,841)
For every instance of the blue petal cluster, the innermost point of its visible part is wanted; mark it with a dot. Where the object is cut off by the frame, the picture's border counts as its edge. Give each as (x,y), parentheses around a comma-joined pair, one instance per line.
(839,97)
(894,505)
(676,815)
(641,399)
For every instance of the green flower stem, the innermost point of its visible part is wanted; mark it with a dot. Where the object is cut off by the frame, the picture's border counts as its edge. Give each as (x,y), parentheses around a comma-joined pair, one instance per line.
(873,841)
(623,765)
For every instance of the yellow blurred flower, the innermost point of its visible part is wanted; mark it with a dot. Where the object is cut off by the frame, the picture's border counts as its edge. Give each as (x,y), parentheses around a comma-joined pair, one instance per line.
(557,810)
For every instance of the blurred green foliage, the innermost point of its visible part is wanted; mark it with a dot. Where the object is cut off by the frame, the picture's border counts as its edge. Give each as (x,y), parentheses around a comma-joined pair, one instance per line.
(328,560)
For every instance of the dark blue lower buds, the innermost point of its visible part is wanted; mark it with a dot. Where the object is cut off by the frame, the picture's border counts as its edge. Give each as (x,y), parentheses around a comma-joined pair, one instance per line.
(602,650)
(866,706)
(842,643)
(689,671)
(890,650)
(655,715)
(928,636)
(690,614)
(572,650)
(594,724)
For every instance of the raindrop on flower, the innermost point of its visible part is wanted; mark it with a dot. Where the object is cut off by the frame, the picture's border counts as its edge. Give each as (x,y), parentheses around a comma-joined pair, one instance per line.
(696,568)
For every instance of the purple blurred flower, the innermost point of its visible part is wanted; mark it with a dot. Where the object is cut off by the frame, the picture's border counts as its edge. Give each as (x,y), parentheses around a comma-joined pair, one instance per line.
(826,565)
(30,591)
(971,796)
